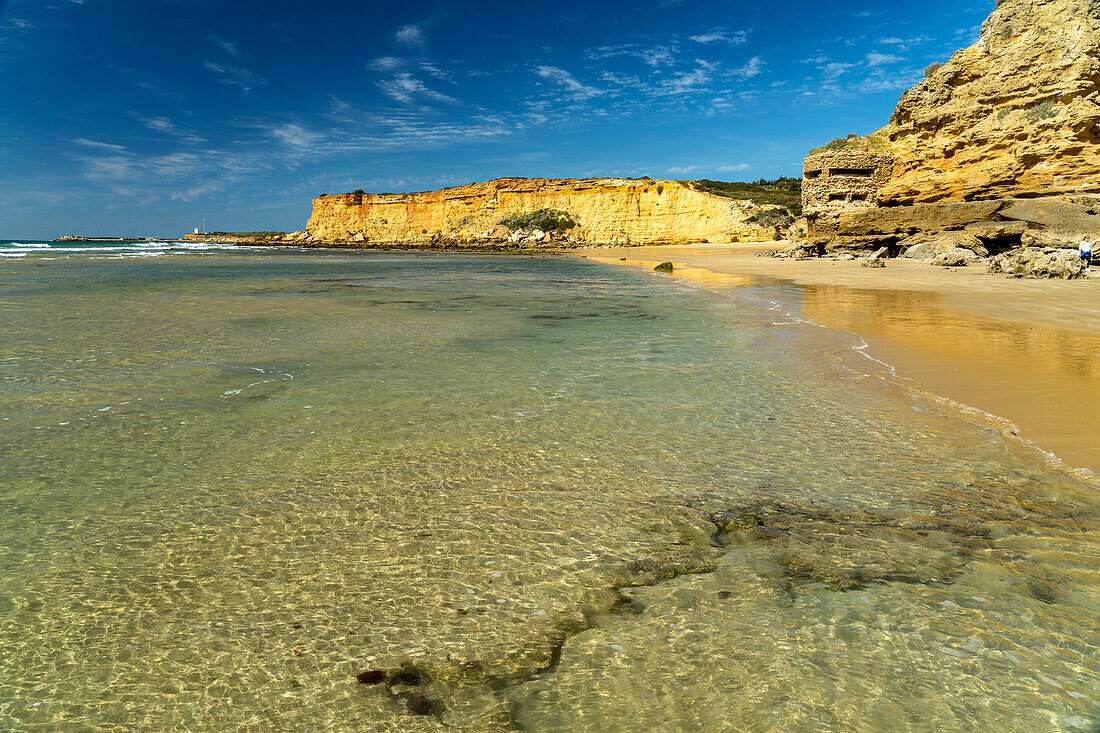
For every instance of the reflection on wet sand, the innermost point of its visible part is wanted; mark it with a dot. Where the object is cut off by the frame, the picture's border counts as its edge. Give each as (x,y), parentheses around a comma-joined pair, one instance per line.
(1043,378)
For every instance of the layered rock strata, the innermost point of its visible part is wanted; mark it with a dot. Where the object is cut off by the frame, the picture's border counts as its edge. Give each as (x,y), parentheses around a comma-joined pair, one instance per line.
(606,211)
(1001,142)
(998,224)
(1015,115)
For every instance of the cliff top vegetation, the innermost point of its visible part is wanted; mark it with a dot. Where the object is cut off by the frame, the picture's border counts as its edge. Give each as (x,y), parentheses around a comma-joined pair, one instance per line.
(873,143)
(785,192)
(256,235)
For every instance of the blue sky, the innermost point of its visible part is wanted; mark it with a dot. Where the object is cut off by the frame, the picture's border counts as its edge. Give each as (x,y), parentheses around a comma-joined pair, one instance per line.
(143,116)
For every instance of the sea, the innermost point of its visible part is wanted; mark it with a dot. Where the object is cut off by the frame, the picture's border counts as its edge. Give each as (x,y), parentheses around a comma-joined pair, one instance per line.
(264,489)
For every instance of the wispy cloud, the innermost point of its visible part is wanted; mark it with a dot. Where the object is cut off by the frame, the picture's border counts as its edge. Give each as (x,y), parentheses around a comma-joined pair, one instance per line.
(561,77)
(99,145)
(903,44)
(438,73)
(15,24)
(295,135)
(875,58)
(237,76)
(690,81)
(386,63)
(165,125)
(655,56)
(157,123)
(229,47)
(752,68)
(404,87)
(834,69)
(410,35)
(721,35)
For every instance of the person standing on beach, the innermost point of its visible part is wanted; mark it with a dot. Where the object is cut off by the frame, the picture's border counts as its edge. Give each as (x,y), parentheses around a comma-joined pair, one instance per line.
(1086,251)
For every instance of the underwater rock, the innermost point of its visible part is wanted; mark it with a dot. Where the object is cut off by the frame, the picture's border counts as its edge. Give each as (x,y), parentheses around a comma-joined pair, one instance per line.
(408,676)
(663,267)
(418,704)
(371,677)
(851,549)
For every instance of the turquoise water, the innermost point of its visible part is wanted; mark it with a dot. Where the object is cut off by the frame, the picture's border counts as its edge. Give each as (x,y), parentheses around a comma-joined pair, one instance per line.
(556,495)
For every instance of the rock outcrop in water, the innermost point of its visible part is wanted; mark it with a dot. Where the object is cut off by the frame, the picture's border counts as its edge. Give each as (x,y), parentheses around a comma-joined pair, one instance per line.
(605,211)
(1014,117)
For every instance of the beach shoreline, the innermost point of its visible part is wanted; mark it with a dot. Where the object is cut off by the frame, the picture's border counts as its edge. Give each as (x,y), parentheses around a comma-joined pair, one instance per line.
(1020,355)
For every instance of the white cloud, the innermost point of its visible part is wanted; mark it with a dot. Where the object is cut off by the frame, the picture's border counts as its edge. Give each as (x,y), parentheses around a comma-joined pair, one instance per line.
(338,107)
(237,76)
(875,58)
(165,125)
(683,170)
(386,63)
(162,124)
(563,78)
(404,87)
(228,46)
(687,81)
(718,35)
(294,135)
(438,73)
(655,56)
(903,44)
(833,69)
(410,35)
(101,146)
(753,68)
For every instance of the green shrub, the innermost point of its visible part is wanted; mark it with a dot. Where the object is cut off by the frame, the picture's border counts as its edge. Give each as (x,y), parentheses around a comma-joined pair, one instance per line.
(775,217)
(548,220)
(358,191)
(932,69)
(1042,111)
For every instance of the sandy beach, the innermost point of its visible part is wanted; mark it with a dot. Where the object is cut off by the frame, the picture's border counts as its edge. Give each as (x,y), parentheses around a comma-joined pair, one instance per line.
(1026,351)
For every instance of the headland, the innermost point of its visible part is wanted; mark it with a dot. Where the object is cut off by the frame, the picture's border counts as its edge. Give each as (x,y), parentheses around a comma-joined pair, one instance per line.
(992,159)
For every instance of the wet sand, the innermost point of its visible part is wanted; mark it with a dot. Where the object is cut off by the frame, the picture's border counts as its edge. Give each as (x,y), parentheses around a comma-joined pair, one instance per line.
(1027,351)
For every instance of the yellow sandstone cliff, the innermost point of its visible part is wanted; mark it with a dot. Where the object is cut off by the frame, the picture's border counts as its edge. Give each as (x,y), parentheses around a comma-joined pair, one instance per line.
(1016,114)
(606,210)
(994,153)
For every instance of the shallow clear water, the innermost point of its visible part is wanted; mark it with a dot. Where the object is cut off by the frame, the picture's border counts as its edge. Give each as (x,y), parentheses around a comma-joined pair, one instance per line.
(569,497)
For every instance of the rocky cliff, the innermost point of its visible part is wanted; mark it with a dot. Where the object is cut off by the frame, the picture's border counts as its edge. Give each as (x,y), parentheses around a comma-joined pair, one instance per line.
(996,148)
(616,211)
(1015,115)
